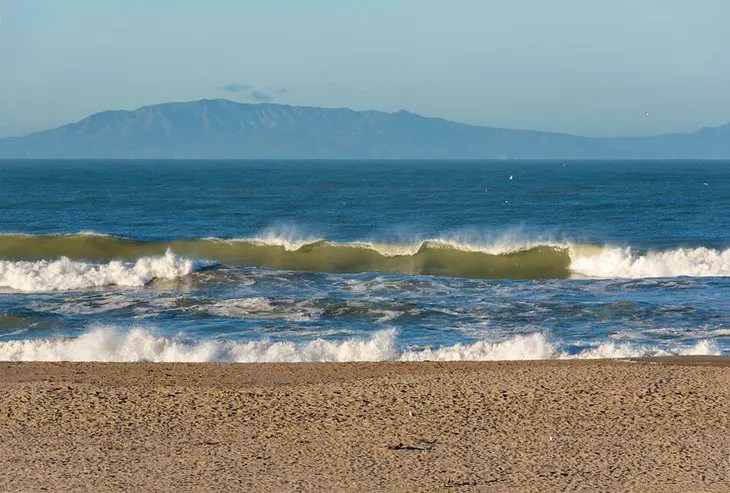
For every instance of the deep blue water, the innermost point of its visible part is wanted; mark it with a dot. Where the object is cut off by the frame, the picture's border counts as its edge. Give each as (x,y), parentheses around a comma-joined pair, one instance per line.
(645,247)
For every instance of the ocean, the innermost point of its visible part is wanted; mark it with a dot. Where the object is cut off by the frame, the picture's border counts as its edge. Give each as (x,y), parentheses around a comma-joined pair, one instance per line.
(262,261)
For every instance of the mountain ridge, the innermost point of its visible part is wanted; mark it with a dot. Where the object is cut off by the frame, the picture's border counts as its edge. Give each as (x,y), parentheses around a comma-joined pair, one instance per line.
(224,129)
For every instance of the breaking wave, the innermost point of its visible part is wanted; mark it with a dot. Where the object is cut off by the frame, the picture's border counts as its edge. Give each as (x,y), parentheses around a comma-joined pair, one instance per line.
(428,257)
(627,263)
(139,344)
(515,260)
(66,274)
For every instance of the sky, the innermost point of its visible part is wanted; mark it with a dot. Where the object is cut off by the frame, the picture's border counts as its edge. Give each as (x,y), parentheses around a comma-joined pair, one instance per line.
(588,67)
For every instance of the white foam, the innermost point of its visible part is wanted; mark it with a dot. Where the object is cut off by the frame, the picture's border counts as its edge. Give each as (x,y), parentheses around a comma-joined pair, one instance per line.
(671,332)
(240,307)
(141,344)
(287,236)
(90,233)
(506,243)
(292,239)
(263,308)
(303,311)
(612,350)
(387,315)
(65,274)
(522,347)
(511,241)
(611,262)
(84,306)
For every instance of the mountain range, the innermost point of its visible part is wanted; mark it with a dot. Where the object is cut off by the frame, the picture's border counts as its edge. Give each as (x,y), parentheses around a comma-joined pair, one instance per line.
(223,129)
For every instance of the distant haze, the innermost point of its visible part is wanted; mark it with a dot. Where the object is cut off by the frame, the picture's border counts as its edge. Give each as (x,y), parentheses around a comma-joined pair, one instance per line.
(604,67)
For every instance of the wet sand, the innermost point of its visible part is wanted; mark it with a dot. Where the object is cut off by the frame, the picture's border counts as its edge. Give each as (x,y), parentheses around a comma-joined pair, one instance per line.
(643,425)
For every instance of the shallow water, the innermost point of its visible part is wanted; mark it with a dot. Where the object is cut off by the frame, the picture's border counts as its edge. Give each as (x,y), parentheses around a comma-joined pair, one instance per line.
(297,261)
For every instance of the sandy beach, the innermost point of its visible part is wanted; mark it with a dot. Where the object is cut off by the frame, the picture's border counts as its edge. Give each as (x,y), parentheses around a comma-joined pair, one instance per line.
(643,425)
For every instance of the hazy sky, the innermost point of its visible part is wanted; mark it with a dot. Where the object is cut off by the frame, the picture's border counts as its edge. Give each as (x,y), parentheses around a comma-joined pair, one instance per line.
(589,67)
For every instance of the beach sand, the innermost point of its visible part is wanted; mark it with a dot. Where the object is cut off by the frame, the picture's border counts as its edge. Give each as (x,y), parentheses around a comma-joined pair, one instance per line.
(643,425)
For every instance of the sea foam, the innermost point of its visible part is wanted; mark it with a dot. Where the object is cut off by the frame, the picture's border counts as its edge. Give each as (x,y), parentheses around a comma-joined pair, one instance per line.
(612,262)
(142,344)
(65,274)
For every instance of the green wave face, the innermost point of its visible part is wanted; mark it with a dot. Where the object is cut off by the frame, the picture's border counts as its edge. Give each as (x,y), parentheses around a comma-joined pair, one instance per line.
(538,262)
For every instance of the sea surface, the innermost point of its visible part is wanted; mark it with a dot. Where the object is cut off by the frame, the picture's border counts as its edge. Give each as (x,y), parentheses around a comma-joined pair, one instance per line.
(362,260)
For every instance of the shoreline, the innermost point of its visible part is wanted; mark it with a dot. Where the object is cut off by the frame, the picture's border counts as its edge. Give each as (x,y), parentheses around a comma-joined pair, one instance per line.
(234,373)
(646,424)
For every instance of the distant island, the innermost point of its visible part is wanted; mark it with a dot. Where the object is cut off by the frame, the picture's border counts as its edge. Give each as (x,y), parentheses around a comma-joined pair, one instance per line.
(222,129)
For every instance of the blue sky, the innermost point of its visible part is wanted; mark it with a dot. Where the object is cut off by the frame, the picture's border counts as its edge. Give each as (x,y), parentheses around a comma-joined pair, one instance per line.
(591,67)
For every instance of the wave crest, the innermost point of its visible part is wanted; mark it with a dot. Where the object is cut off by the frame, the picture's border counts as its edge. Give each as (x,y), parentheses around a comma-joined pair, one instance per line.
(67,274)
(139,344)
(504,259)
(611,263)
